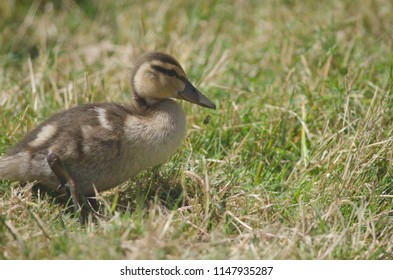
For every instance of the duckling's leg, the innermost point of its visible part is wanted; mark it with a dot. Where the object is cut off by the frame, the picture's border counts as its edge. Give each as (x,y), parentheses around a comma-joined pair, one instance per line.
(68,183)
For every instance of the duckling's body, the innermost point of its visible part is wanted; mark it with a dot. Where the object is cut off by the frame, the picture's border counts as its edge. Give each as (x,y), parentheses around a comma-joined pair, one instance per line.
(109,145)
(102,145)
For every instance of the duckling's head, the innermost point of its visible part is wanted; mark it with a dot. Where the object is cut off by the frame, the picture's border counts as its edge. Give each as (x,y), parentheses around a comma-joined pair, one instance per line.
(159,76)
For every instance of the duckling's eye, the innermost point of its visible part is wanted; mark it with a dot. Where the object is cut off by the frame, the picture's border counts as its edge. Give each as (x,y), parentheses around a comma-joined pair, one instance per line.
(171,73)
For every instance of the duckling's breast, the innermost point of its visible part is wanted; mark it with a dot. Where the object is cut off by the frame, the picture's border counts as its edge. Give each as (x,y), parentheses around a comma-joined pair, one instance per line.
(147,140)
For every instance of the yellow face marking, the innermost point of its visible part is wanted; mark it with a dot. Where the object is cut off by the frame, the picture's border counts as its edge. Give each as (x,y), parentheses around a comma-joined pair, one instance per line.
(44,135)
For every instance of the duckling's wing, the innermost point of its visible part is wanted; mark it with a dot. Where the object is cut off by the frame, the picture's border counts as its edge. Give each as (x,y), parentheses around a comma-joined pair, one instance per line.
(75,135)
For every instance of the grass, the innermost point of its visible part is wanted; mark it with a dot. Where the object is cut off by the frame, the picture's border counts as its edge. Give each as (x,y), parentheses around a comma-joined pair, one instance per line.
(296,162)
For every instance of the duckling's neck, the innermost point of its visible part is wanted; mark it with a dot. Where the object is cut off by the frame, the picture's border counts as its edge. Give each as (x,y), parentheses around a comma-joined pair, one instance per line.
(140,101)
(145,103)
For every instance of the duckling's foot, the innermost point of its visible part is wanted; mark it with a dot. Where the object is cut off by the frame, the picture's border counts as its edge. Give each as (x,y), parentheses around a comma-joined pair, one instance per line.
(79,200)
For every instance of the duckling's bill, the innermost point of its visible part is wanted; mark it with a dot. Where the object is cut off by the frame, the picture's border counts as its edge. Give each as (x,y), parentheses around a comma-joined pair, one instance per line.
(193,95)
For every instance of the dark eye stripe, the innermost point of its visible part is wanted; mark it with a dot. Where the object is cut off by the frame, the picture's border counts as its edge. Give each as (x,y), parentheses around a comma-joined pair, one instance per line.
(169,72)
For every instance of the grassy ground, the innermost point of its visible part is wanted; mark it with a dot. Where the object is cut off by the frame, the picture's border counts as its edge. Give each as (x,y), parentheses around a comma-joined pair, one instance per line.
(296,162)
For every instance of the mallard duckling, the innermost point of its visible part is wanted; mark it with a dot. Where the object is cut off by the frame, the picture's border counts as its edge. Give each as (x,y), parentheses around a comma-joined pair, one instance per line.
(99,146)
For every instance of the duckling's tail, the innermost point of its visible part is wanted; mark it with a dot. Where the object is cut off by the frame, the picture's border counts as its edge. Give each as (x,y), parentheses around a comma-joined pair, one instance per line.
(10,167)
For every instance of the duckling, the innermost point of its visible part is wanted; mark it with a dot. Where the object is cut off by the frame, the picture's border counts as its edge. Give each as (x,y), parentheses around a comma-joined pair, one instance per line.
(99,146)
